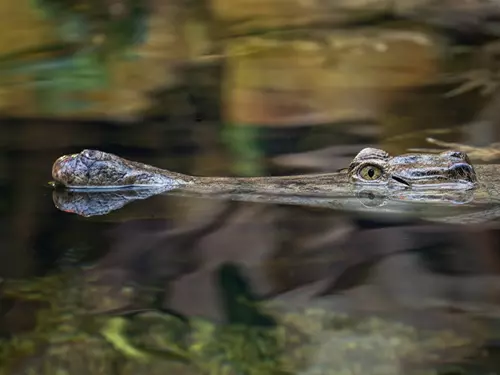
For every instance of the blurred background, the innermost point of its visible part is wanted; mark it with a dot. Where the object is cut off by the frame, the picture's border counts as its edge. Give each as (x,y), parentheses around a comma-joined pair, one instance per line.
(243,88)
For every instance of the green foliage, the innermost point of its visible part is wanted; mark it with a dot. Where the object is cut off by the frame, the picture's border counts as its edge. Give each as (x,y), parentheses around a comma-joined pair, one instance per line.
(91,36)
(122,24)
(242,141)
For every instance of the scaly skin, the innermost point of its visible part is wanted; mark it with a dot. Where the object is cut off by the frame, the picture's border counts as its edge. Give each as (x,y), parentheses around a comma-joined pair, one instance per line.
(442,187)
(92,169)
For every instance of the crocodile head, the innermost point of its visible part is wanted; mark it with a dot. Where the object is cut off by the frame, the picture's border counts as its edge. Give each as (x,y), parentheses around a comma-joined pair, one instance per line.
(447,170)
(371,167)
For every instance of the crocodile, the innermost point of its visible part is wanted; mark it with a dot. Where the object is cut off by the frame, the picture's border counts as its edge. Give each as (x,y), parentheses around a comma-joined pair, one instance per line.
(373,182)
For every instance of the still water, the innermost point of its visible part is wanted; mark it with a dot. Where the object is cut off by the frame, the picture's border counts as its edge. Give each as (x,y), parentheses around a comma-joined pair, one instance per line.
(197,285)
(203,285)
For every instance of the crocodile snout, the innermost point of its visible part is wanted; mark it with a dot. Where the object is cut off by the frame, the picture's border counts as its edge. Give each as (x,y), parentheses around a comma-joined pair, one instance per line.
(63,170)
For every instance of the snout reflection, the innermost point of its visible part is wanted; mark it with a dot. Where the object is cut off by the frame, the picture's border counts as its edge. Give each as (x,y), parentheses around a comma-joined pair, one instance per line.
(95,203)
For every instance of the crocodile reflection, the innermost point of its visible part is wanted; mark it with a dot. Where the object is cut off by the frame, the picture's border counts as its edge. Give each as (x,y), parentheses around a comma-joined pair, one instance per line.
(94,203)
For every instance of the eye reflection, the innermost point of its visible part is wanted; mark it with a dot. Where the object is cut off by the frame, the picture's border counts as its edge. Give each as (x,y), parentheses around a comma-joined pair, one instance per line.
(369,198)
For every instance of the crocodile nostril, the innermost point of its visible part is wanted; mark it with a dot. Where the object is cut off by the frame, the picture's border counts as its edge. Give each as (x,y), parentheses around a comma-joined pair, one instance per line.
(89,153)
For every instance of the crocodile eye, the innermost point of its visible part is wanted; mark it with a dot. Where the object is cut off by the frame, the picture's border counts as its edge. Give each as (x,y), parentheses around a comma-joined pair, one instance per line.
(370,172)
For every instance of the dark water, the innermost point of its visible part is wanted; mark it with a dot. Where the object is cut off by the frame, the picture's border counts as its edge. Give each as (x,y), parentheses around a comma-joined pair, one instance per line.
(195,285)
(367,295)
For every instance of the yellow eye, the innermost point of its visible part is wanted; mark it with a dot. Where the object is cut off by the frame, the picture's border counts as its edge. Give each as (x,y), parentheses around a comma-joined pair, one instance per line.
(370,172)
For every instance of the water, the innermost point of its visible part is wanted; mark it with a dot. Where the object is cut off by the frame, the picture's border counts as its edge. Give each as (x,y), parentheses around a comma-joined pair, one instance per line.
(423,294)
(196,285)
